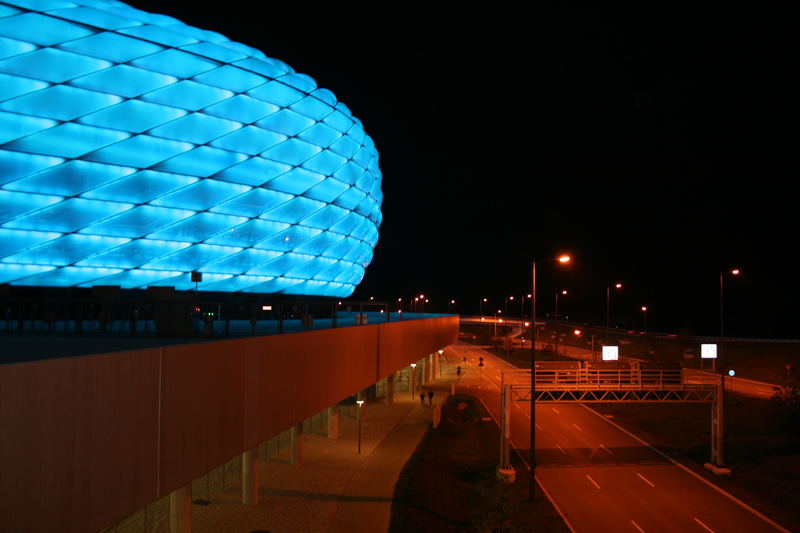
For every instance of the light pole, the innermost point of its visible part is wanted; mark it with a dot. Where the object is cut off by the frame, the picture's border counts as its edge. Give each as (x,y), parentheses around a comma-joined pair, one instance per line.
(563,292)
(522,306)
(508,299)
(413,380)
(499,312)
(532,479)
(608,307)
(646,339)
(451,302)
(360,403)
(720,411)
(480,306)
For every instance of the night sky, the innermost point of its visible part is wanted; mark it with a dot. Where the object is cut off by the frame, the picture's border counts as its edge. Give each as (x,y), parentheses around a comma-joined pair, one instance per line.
(651,145)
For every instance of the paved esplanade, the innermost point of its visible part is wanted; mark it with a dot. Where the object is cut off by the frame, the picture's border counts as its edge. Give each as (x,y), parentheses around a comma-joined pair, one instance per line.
(334,490)
(601,477)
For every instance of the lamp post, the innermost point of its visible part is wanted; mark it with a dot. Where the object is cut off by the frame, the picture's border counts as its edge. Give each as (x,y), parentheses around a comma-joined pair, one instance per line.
(451,302)
(413,380)
(608,307)
(508,299)
(360,404)
(522,306)
(532,479)
(646,339)
(480,306)
(563,292)
(720,404)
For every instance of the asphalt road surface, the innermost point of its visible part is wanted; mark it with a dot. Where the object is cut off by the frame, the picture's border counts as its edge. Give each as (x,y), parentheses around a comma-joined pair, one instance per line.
(599,476)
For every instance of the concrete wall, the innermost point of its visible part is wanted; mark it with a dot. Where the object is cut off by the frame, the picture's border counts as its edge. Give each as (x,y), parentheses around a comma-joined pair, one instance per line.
(85,441)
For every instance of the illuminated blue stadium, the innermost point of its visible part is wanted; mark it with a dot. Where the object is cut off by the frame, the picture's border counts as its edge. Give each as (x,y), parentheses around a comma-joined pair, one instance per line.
(135,150)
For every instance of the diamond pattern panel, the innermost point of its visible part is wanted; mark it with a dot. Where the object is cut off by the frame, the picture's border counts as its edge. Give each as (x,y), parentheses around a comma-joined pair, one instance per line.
(135,149)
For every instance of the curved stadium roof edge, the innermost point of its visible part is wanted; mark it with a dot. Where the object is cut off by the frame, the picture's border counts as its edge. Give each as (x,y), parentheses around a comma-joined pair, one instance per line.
(135,149)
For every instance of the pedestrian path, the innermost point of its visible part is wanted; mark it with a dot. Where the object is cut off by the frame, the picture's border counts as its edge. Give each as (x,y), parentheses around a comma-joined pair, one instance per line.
(335,490)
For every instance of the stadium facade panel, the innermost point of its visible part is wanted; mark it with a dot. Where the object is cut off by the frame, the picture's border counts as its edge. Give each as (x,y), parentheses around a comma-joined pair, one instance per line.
(135,150)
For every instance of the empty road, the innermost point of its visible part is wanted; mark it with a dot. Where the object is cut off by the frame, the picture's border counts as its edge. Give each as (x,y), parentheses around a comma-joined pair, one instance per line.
(601,477)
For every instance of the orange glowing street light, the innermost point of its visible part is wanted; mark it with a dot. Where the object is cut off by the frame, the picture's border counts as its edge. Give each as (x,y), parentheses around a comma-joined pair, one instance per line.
(608,307)
(563,259)
(718,442)
(563,293)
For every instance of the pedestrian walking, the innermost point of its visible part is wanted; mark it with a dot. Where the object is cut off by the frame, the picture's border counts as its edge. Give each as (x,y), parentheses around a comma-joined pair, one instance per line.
(430,397)
(458,372)
(422,398)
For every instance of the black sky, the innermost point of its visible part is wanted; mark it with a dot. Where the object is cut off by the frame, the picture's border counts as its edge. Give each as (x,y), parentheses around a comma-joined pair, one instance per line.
(651,144)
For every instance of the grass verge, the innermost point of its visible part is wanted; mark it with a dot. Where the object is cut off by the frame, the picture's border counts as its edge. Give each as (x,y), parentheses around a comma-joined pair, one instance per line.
(449,483)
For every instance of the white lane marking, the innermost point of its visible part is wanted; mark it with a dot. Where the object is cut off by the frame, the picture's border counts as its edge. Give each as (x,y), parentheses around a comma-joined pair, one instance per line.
(538,427)
(527,415)
(645,480)
(517,406)
(556,410)
(637,526)
(594,482)
(561,449)
(577,426)
(606,449)
(705,526)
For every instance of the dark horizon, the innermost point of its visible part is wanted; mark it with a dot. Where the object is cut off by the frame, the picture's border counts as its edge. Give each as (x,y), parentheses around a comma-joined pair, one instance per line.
(649,144)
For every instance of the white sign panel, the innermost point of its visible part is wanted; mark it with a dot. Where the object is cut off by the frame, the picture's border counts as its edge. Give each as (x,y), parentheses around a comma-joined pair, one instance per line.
(610,353)
(708,351)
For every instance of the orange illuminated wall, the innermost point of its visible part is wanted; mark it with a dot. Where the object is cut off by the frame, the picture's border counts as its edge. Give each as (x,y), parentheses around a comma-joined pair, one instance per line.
(85,441)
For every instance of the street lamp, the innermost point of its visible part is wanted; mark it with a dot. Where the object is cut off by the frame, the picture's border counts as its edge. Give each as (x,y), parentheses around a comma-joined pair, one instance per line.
(608,307)
(522,306)
(413,380)
(720,411)
(480,307)
(508,299)
(564,293)
(451,302)
(646,339)
(563,259)
(360,403)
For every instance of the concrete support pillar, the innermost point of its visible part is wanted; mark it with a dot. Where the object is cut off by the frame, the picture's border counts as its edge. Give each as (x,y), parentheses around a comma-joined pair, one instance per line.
(333,422)
(250,477)
(388,399)
(424,364)
(362,395)
(180,510)
(297,444)
(435,365)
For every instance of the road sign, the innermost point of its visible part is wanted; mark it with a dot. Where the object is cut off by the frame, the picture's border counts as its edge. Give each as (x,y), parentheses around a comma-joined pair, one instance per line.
(708,351)
(610,353)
